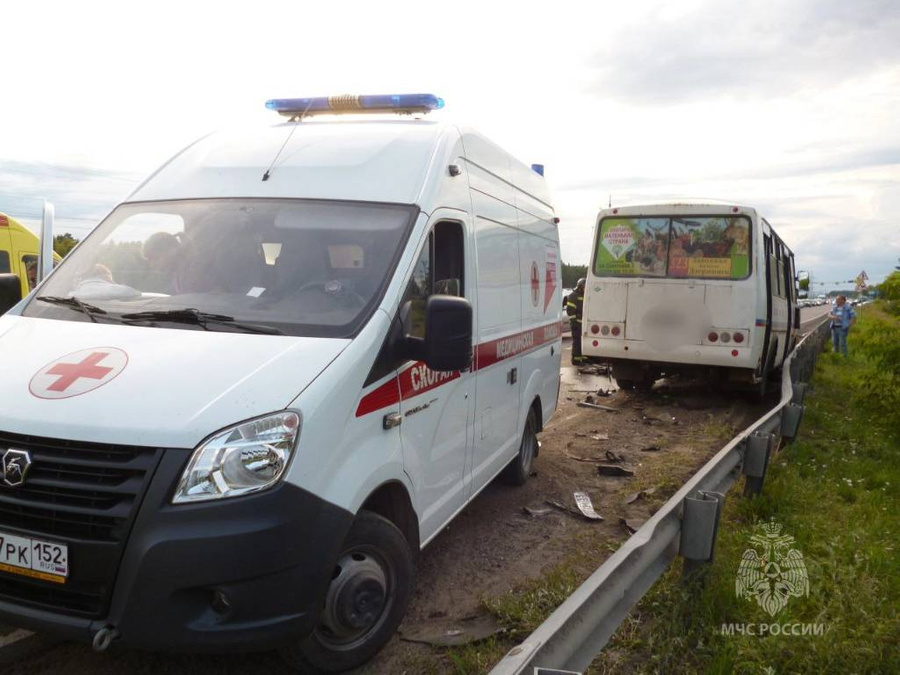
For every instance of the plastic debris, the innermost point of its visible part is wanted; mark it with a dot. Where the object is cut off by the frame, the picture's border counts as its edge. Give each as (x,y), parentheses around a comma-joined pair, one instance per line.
(450,633)
(595,406)
(536,511)
(583,501)
(613,470)
(613,457)
(631,525)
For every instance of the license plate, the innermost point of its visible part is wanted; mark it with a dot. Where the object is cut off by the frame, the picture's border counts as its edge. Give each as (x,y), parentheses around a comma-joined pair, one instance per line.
(34,558)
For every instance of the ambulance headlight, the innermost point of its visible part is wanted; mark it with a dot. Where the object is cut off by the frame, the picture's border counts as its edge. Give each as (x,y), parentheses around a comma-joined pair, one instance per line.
(245,458)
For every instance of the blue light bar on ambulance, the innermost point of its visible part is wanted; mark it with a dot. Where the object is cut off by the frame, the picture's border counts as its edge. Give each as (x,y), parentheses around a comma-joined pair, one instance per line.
(397,103)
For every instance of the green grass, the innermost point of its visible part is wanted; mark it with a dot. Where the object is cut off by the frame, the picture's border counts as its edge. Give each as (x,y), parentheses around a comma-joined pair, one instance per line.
(836,492)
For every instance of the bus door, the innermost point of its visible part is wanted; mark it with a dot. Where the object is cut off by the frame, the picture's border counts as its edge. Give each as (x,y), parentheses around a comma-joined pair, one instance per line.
(770,290)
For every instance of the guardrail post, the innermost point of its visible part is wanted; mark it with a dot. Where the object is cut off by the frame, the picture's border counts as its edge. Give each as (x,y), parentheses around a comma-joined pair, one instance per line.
(800,390)
(791,416)
(756,461)
(699,526)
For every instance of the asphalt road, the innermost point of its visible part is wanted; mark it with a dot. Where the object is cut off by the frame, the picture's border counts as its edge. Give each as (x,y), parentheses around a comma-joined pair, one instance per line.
(811,316)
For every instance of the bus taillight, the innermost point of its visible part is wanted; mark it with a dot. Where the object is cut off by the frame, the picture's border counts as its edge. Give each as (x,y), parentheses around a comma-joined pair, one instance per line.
(738,338)
(713,336)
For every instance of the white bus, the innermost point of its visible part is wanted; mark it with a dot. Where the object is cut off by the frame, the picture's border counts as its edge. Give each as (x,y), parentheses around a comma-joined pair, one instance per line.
(684,287)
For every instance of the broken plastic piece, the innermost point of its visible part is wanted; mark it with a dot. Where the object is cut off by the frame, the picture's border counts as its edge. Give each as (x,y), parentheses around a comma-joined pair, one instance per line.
(613,470)
(583,501)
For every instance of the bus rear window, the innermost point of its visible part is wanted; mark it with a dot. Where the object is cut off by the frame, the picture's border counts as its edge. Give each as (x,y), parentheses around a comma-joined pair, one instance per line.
(704,247)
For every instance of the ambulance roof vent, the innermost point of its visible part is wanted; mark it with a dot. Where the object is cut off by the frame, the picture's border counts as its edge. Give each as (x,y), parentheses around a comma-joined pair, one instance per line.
(334,105)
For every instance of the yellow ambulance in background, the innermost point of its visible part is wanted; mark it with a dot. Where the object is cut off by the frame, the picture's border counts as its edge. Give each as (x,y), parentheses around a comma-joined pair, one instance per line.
(19,249)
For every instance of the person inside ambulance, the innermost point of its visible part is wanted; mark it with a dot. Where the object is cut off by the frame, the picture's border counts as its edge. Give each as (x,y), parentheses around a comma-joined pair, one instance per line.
(172,259)
(574,308)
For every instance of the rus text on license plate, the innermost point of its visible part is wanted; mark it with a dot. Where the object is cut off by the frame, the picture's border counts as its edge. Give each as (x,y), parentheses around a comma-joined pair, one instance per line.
(34,558)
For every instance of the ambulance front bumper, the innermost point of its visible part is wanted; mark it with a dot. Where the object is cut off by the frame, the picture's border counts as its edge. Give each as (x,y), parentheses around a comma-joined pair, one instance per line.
(241,574)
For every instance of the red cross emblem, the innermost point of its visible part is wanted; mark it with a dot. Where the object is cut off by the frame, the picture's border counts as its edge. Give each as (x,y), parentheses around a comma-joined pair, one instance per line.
(535,285)
(78,373)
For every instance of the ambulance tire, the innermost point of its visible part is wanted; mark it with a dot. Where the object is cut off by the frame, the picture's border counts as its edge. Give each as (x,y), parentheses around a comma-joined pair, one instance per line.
(366,600)
(518,470)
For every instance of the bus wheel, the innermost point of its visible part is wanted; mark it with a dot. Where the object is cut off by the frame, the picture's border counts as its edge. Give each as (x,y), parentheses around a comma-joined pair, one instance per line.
(518,470)
(365,602)
(625,384)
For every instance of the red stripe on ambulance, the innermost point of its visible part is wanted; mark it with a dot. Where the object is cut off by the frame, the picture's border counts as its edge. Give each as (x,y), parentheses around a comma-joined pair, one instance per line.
(418,378)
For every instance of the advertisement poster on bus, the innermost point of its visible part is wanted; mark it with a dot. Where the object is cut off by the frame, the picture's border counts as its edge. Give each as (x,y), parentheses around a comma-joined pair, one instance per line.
(701,247)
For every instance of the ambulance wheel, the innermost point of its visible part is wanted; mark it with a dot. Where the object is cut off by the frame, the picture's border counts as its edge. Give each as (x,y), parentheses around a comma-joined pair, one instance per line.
(366,599)
(518,470)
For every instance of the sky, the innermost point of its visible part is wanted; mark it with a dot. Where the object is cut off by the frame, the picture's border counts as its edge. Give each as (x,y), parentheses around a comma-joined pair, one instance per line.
(790,106)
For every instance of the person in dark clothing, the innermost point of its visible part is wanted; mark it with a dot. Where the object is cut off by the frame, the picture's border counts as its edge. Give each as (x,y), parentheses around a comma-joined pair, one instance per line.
(574,308)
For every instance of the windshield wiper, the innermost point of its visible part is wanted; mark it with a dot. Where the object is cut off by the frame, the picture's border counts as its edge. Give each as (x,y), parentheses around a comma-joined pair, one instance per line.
(89,310)
(193,316)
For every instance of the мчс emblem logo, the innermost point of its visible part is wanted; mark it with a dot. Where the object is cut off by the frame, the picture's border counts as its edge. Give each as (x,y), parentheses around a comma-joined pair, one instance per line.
(15,465)
(774,573)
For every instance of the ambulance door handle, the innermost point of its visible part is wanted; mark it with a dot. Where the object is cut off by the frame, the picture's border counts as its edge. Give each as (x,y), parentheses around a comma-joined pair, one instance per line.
(512,376)
(391,420)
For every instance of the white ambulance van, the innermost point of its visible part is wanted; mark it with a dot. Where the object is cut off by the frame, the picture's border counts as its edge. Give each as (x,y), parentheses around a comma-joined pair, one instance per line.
(237,411)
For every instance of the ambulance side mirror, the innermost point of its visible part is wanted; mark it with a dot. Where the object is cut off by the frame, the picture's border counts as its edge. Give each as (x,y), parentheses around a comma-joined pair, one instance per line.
(448,333)
(10,292)
(447,345)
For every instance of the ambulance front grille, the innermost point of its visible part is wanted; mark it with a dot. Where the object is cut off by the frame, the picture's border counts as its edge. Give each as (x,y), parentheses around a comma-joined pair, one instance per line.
(84,495)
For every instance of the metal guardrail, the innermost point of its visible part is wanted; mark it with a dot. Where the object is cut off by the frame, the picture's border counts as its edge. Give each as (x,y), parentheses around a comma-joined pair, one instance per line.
(575,633)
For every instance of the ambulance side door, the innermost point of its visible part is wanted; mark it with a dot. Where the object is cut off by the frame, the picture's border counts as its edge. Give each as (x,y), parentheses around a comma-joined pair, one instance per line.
(436,407)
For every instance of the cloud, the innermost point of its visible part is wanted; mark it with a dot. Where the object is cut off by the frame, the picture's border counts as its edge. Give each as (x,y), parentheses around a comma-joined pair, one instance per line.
(82,196)
(735,49)
(828,161)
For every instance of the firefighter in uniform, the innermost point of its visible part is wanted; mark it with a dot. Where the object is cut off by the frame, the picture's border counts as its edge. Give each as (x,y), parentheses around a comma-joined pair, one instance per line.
(574,308)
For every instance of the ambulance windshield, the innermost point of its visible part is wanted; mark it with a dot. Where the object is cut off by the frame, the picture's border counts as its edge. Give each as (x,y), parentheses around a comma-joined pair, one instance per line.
(302,267)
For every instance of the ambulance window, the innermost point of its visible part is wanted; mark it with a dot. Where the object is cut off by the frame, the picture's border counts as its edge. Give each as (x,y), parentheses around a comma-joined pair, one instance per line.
(439,270)
(448,261)
(30,263)
(4,262)
(418,291)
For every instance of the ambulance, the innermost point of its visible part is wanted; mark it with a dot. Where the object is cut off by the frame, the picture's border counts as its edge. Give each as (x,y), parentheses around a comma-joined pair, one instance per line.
(234,415)
(19,249)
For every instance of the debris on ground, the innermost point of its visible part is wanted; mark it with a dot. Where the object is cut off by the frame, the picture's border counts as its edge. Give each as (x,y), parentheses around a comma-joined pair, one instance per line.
(613,470)
(562,507)
(583,459)
(586,404)
(632,498)
(452,632)
(631,525)
(583,501)
(536,511)
(651,448)
(602,369)
(613,457)
(600,437)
